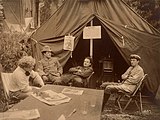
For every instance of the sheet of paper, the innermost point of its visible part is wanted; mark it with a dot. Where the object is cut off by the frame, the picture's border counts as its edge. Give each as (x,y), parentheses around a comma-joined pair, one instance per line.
(52,98)
(62,117)
(72,91)
(20,115)
(68,43)
(92,32)
(34,87)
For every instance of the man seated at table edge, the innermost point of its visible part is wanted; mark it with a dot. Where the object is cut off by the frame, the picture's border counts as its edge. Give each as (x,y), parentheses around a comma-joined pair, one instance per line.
(19,85)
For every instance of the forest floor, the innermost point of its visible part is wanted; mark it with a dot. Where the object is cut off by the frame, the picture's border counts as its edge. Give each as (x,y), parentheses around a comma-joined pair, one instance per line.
(151,111)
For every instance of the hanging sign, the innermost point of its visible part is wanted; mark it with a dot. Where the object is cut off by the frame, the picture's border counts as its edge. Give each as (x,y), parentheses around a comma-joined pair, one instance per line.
(92,32)
(68,43)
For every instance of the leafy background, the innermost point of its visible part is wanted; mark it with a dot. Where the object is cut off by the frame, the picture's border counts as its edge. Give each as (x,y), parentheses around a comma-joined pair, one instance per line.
(12,47)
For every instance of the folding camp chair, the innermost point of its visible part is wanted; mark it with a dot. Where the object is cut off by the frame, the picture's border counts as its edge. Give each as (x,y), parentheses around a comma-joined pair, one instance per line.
(88,80)
(6,77)
(134,96)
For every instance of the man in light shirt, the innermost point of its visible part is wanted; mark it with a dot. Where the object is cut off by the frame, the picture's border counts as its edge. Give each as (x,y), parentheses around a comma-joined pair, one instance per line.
(19,84)
(130,79)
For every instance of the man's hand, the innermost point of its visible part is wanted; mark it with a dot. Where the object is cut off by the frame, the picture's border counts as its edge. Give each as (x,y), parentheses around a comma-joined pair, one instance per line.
(45,78)
(57,74)
(104,85)
(79,70)
(35,90)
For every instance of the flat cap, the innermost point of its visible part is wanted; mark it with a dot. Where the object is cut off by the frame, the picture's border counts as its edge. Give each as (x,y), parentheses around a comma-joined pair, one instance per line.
(135,56)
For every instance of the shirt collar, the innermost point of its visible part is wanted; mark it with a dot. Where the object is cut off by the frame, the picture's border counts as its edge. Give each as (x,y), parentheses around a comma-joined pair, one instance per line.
(21,69)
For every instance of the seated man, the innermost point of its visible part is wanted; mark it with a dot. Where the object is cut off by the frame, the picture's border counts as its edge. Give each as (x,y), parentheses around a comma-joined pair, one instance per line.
(19,84)
(49,67)
(130,79)
(77,75)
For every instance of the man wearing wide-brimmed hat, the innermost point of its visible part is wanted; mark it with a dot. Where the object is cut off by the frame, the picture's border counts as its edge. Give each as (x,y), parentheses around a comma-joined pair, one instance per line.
(49,67)
(130,79)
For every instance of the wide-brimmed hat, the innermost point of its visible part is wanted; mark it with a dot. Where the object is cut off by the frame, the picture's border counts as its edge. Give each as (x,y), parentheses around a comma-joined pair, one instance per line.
(135,56)
(46,49)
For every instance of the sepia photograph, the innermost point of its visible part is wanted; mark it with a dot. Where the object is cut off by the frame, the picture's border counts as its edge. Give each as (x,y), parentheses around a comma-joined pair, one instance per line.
(79,59)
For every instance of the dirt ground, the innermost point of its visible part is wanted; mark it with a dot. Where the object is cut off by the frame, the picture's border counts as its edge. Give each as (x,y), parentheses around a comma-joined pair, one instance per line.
(151,111)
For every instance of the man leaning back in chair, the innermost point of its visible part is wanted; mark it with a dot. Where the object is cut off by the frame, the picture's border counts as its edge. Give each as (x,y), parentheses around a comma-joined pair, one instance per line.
(78,75)
(130,79)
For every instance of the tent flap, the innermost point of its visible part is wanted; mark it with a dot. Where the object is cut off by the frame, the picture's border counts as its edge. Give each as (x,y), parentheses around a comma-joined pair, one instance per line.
(127,30)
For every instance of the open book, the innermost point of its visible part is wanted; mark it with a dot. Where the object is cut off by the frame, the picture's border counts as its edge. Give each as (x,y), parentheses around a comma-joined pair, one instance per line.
(51,98)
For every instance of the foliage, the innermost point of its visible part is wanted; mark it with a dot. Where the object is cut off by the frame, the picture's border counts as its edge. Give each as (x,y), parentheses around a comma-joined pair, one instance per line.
(47,10)
(148,9)
(1,16)
(11,50)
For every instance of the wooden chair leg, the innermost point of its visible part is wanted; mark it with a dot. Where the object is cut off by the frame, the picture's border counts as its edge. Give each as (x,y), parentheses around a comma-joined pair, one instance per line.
(140,103)
(119,105)
(120,108)
(4,105)
(127,104)
(140,100)
(137,104)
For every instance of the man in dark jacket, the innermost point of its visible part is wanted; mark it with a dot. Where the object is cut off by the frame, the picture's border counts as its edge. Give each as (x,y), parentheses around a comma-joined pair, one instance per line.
(49,67)
(77,75)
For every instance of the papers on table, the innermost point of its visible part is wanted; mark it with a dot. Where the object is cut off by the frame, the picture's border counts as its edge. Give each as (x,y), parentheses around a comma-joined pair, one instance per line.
(51,98)
(62,117)
(37,88)
(20,115)
(72,91)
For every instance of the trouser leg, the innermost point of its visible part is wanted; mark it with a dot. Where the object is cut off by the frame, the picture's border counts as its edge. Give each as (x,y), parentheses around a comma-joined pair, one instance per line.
(77,81)
(54,79)
(105,99)
(66,78)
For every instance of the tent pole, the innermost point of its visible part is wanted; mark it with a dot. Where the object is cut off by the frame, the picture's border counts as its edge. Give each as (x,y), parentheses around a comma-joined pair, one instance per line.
(39,16)
(91,43)
(40,5)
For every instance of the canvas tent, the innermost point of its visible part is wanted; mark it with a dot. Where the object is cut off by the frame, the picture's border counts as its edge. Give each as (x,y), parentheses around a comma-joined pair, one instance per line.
(117,19)
(19,15)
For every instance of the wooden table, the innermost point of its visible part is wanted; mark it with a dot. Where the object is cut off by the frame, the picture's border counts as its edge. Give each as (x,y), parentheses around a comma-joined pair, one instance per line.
(77,102)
